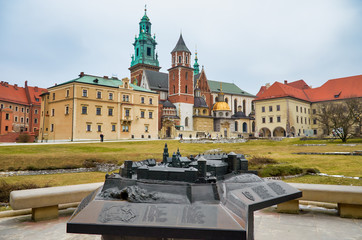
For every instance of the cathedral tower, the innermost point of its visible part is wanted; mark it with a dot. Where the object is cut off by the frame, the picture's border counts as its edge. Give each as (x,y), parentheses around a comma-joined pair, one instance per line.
(181,83)
(145,56)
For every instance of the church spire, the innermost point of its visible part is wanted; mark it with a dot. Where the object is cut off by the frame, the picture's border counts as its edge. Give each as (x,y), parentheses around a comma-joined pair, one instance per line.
(196,65)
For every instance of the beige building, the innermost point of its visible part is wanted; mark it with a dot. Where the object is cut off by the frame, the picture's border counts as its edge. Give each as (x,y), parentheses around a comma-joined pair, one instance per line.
(290,109)
(88,106)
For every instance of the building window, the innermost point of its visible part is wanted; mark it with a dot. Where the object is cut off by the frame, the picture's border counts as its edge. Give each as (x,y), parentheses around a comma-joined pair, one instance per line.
(67,93)
(27,110)
(305,120)
(296,108)
(98,111)
(270,108)
(99,94)
(22,120)
(236,126)
(173,59)
(150,101)
(226,100)
(278,107)
(297,119)
(125,98)
(6,128)
(36,99)
(187,61)
(16,119)
(301,109)
(179,59)
(245,127)
(113,127)
(10,106)
(127,113)
(186,122)
(146,128)
(278,118)
(110,96)
(308,111)
(27,120)
(124,128)
(315,132)
(263,120)
(142,114)
(89,127)
(314,111)
(314,121)
(305,110)
(262,109)
(85,93)
(186,74)
(186,89)
(148,51)
(53,112)
(142,100)
(84,109)
(99,128)
(36,111)
(110,111)
(150,114)
(35,120)
(16,108)
(174,90)
(7,116)
(22,109)
(301,120)
(52,127)
(270,119)
(53,96)
(66,110)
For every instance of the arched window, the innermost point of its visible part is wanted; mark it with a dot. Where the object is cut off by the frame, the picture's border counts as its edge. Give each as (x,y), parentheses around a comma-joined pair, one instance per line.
(186,121)
(236,126)
(253,127)
(235,105)
(245,127)
(215,99)
(226,100)
(244,106)
(186,75)
(174,89)
(179,59)
(204,111)
(186,89)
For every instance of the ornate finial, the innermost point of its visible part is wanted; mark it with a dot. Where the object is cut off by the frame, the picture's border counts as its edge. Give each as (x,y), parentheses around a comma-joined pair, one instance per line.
(145,8)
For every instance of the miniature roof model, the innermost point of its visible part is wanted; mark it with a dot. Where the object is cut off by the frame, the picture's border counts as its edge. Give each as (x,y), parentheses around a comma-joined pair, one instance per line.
(334,89)
(204,197)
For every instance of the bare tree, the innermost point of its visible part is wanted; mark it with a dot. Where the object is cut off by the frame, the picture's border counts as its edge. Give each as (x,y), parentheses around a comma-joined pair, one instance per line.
(340,117)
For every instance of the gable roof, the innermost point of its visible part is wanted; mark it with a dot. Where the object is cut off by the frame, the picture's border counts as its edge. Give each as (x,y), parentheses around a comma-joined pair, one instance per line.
(334,89)
(180,46)
(157,80)
(102,81)
(16,94)
(229,88)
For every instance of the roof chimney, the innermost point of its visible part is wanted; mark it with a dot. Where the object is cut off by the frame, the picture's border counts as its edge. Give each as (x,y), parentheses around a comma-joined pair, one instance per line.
(36,88)
(26,83)
(81,74)
(285,82)
(267,85)
(106,77)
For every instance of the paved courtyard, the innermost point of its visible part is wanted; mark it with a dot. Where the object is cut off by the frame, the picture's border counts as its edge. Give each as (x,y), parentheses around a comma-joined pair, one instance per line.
(269,225)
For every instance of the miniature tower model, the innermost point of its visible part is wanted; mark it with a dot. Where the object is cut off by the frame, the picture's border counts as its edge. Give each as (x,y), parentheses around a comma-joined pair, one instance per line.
(181,83)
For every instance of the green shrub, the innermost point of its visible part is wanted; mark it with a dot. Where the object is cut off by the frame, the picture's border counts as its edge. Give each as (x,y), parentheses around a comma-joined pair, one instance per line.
(277,171)
(31,168)
(260,160)
(90,163)
(11,169)
(311,170)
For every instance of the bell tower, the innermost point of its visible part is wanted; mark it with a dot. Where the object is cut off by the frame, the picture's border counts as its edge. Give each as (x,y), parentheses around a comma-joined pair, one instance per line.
(181,83)
(145,56)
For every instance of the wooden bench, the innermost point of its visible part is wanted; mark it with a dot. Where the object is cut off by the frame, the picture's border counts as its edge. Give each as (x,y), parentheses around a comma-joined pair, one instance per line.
(348,198)
(44,202)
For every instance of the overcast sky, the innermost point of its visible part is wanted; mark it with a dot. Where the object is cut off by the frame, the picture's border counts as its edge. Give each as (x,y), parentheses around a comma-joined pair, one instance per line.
(249,42)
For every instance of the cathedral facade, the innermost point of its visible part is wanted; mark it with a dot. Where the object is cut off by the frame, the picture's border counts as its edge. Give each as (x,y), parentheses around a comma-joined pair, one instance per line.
(189,103)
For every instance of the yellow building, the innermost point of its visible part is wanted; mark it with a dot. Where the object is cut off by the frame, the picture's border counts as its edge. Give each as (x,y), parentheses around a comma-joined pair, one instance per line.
(291,109)
(88,106)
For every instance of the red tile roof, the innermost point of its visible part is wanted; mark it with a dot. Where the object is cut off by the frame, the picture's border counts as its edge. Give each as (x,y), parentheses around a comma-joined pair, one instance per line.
(16,94)
(333,89)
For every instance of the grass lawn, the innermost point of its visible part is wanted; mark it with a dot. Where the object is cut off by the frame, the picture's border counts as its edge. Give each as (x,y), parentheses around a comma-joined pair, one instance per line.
(73,155)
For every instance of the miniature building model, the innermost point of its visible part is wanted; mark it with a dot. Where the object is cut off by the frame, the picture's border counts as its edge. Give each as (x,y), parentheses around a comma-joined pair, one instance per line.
(206,197)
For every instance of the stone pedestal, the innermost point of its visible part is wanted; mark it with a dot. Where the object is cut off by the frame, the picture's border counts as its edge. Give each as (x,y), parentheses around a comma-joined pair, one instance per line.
(350,210)
(289,207)
(44,213)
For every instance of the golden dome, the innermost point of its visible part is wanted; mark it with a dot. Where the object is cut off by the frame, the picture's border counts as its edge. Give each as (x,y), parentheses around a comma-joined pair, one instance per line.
(221,106)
